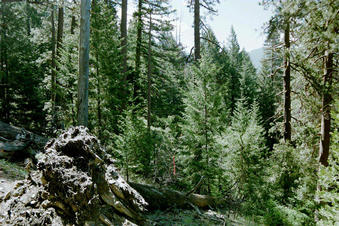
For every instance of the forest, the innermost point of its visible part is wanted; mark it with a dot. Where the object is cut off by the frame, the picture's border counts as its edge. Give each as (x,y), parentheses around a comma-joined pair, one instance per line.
(259,146)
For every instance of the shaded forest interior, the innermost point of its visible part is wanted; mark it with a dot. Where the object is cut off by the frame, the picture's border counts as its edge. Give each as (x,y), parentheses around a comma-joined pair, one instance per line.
(204,121)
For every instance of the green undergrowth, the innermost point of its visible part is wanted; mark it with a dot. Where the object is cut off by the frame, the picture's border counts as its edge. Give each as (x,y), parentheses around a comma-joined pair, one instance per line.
(12,170)
(193,217)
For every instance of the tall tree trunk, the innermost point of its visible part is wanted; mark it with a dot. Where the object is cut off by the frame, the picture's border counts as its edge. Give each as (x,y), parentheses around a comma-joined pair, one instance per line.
(4,66)
(83,63)
(73,21)
(287,84)
(123,29)
(149,73)
(196,30)
(99,100)
(28,23)
(138,50)
(53,75)
(60,29)
(324,148)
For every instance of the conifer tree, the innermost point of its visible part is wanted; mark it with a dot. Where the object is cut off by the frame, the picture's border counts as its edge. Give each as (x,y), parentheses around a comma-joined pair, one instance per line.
(204,109)
(244,153)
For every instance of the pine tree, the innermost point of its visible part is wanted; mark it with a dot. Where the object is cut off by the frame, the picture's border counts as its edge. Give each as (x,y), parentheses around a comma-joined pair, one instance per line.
(244,153)
(236,62)
(204,109)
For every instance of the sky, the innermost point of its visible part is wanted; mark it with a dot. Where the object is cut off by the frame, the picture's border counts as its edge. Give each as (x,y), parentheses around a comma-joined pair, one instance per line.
(246,16)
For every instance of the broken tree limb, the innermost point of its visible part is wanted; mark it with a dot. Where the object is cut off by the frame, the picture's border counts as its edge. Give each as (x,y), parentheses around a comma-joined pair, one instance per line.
(195,187)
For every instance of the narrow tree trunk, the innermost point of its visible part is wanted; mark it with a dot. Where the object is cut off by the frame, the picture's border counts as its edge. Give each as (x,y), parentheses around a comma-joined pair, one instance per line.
(83,63)
(28,23)
(60,29)
(324,148)
(287,85)
(196,30)
(123,29)
(138,50)
(73,21)
(53,75)
(149,73)
(206,136)
(3,66)
(99,101)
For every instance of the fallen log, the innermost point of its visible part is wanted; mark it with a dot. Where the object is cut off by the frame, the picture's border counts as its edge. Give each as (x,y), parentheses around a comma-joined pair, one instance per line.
(163,198)
(7,149)
(14,141)
(16,133)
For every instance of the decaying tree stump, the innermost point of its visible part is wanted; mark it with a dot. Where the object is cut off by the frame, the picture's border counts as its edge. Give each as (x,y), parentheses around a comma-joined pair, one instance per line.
(76,183)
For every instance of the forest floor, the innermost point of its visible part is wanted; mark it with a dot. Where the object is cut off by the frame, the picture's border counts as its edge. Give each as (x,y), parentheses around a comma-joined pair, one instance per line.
(11,173)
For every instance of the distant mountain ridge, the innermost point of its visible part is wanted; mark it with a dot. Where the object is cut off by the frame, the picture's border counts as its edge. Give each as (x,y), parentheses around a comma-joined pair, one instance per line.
(256,56)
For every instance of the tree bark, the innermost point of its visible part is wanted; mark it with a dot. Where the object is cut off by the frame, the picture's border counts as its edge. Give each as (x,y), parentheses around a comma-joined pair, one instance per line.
(4,64)
(28,23)
(324,147)
(196,30)
(162,198)
(123,30)
(287,84)
(83,63)
(73,21)
(138,51)
(10,132)
(60,29)
(149,74)
(14,139)
(99,100)
(53,75)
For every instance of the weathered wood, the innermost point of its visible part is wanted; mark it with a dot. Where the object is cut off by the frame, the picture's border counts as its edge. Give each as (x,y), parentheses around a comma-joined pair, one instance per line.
(15,141)
(10,132)
(85,6)
(77,181)
(162,198)
(7,149)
